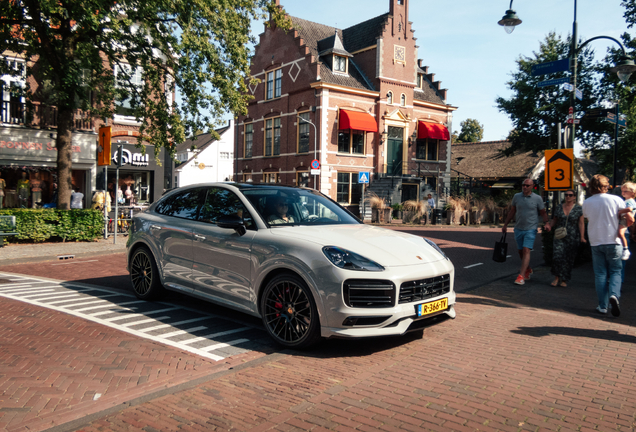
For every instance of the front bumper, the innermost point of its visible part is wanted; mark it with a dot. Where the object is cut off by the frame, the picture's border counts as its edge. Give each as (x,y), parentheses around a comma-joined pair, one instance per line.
(340,320)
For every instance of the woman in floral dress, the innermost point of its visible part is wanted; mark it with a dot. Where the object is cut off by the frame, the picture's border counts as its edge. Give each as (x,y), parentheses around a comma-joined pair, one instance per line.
(568,215)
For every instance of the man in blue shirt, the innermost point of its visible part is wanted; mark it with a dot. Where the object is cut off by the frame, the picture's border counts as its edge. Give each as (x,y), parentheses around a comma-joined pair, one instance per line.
(527,206)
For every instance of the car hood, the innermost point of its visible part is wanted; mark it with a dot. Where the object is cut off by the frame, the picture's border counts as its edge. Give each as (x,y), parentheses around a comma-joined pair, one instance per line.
(386,247)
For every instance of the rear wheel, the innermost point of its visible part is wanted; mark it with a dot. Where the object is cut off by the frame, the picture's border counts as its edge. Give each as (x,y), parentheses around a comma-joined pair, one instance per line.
(289,312)
(144,275)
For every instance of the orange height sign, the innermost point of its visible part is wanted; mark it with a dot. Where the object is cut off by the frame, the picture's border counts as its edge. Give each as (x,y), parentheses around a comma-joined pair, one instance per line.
(559,169)
(103,148)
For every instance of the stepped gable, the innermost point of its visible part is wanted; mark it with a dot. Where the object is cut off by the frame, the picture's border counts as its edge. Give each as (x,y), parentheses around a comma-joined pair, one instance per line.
(484,160)
(431,91)
(316,36)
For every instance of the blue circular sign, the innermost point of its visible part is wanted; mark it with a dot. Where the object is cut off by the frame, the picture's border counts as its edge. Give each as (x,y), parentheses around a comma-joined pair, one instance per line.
(315,164)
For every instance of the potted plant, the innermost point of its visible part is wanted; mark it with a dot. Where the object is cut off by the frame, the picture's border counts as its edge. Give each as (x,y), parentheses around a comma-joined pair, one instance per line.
(414,211)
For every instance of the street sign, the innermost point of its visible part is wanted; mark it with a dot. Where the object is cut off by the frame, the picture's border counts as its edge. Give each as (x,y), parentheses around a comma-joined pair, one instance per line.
(568,86)
(622,121)
(559,168)
(315,164)
(573,120)
(579,94)
(561,65)
(103,149)
(551,82)
(597,113)
(315,172)
(363,177)
(571,110)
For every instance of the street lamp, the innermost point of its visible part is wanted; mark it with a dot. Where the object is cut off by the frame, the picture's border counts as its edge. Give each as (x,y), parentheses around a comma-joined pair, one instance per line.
(315,141)
(623,69)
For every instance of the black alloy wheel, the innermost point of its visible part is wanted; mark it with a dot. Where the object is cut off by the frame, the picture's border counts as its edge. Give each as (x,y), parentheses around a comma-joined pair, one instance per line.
(289,312)
(144,275)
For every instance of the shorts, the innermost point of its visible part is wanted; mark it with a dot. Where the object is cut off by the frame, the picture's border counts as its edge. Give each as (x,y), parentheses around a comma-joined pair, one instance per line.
(525,238)
(623,221)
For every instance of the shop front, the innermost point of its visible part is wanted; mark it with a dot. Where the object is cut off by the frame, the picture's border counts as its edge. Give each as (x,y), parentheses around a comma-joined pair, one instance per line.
(140,180)
(28,166)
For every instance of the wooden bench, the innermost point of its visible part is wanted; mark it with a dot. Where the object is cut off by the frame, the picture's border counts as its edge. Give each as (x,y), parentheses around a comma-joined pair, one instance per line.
(7,228)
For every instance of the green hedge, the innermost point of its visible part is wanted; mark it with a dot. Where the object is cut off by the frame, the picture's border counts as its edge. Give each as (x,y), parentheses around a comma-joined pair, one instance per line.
(35,225)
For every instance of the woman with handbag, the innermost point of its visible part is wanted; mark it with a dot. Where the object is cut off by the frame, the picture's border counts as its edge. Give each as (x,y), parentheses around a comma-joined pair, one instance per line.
(569,233)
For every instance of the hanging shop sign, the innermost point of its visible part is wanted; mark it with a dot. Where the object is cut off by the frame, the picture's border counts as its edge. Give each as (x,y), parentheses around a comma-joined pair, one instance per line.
(133,159)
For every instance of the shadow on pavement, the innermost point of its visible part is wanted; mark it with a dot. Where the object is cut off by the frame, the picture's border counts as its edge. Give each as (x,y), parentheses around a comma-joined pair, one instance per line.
(610,335)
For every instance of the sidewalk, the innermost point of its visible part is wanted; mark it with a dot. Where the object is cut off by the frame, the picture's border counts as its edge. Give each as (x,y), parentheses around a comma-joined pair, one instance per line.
(24,253)
(516,358)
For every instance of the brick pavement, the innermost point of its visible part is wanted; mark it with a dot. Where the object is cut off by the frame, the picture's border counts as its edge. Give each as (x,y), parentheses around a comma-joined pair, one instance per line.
(516,358)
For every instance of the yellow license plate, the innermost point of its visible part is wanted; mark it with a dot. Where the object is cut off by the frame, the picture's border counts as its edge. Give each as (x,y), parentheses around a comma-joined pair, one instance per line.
(432,307)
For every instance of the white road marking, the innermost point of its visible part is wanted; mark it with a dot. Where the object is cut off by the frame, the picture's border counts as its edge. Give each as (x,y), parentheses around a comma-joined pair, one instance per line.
(473,265)
(34,290)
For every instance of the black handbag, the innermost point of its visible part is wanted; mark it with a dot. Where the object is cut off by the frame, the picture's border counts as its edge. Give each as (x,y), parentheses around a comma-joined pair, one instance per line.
(501,250)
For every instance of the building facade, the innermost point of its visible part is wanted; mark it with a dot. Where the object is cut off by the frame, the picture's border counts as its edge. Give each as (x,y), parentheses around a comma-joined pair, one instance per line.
(206,159)
(28,152)
(335,106)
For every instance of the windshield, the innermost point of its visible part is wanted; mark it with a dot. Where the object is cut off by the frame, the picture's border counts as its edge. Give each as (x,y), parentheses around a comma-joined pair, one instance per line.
(281,207)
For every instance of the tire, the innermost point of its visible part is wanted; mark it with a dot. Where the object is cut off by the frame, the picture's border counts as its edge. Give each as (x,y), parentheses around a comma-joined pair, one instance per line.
(289,312)
(144,275)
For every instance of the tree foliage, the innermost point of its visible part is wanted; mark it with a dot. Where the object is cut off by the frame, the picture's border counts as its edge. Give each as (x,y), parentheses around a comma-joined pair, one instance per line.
(613,90)
(198,47)
(536,111)
(471,131)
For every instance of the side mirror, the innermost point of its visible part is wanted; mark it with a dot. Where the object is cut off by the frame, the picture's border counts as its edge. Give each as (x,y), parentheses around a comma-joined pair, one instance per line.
(232,222)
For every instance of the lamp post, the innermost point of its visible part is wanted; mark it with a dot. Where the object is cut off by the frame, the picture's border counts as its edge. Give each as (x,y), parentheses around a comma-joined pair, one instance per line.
(623,69)
(315,141)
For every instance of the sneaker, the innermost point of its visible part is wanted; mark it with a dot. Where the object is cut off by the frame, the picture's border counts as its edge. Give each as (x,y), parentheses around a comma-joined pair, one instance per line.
(625,255)
(528,274)
(520,280)
(616,310)
(601,310)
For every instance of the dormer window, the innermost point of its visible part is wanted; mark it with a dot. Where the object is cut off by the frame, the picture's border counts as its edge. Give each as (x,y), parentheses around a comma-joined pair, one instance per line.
(339,64)
(420,81)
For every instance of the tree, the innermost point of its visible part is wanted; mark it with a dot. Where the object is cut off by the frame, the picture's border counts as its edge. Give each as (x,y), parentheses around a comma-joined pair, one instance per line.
(613,90)
(198,47)
(471,131)
(536,111)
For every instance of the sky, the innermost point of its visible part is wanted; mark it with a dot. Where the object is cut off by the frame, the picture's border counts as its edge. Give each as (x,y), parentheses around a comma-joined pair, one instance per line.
(468,51)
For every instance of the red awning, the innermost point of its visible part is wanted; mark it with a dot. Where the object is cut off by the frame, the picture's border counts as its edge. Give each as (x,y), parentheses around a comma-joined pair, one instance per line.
(433,131)
(357,121)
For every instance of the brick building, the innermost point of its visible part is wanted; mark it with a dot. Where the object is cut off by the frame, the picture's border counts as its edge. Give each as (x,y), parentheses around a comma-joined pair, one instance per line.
(27,145)
(357,100)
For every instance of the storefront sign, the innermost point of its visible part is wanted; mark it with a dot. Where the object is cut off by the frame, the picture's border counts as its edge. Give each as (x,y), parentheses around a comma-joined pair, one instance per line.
(37,146)
(130,158)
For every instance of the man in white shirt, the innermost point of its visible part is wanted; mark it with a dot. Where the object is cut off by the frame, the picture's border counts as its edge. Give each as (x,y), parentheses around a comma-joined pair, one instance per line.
(601,211)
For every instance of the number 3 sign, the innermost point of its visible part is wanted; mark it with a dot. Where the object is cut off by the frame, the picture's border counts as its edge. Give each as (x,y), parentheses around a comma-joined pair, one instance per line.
(559,169)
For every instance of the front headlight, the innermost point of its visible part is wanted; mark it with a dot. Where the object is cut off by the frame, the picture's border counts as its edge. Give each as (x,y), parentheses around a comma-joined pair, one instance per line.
(348,260)
(434,246)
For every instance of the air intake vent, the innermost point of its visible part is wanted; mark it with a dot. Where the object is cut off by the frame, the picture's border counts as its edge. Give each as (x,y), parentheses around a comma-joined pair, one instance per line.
(365,293)
(424,289)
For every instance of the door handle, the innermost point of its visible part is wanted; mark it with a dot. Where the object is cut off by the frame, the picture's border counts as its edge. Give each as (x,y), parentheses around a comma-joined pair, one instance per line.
(155,227)
(199,237)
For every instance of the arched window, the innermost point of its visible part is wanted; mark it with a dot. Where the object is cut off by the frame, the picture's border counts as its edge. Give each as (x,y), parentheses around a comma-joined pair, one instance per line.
(389,98)
(403,100)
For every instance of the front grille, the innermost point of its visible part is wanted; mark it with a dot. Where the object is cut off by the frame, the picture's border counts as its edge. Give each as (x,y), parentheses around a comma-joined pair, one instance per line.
(424,288)
(363,293)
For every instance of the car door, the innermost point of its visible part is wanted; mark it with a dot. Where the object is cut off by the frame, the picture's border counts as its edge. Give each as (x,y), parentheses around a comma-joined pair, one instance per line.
(172,233)
(222,267)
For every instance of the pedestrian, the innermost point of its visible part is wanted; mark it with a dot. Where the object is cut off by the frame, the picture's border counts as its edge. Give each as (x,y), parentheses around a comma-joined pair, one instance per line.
(526,206)
(77,199)
(431,207)
(601,211)
(569,216)
(628,190)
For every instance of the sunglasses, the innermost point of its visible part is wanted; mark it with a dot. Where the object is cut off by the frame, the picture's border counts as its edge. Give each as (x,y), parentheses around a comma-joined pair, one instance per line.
(282,204)
(569,194)
(526,185)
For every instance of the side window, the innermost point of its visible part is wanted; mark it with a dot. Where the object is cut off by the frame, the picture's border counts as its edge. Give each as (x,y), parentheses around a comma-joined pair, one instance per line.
(222,202)
(182,205)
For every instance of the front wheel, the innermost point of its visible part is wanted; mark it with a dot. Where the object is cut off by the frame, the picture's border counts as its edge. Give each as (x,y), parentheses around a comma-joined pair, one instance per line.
(289,312)
(144,275)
